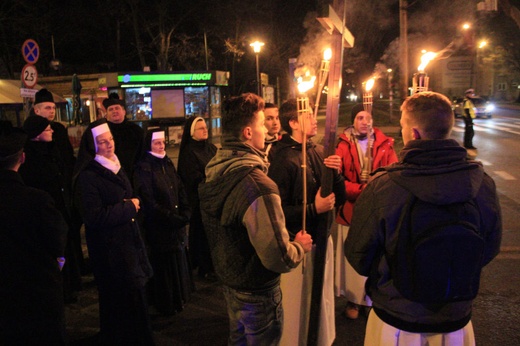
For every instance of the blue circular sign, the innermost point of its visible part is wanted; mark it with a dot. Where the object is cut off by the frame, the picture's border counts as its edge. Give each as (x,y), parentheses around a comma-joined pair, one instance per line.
(30,51)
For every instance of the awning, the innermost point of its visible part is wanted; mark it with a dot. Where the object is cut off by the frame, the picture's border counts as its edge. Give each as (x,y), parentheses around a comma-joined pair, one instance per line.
(10,92)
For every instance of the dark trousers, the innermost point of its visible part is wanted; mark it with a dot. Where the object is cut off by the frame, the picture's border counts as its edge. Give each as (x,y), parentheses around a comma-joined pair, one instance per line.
(468,132)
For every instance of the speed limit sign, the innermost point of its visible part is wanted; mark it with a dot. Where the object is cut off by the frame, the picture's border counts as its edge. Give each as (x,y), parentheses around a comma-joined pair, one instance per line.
(29,76)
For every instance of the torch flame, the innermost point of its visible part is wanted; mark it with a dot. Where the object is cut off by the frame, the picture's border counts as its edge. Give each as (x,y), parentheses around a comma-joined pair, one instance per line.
(327,54)
(369,84)
(425,59)
(306,82)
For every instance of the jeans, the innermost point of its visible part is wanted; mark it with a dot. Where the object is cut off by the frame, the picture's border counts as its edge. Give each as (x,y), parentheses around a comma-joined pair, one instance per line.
(255,318)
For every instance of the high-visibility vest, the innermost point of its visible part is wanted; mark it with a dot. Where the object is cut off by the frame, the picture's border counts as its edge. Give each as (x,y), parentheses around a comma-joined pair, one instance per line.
(469,105)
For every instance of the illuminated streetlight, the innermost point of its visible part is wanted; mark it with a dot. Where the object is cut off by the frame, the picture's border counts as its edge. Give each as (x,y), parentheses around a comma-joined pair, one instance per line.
(482,44)
(257,45)
(466,26)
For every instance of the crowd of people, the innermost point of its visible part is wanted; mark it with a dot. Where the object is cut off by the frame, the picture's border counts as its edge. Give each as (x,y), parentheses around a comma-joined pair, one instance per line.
(245,214)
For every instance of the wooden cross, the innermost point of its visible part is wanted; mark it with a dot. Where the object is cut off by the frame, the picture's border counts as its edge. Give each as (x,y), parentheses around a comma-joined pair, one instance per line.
(341,38)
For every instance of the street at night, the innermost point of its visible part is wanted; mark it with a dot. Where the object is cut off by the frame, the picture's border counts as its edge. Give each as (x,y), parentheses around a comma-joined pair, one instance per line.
(496,319)
(125,123)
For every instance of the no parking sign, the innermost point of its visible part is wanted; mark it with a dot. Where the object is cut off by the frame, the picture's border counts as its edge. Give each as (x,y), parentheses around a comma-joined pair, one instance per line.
(30,51)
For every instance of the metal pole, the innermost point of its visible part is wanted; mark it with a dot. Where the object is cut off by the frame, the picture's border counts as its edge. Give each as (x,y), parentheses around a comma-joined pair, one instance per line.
(258,76)
(403,46)
(206,50)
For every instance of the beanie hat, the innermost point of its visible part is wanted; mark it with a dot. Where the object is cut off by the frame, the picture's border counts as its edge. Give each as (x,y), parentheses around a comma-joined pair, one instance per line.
(12,139)
(355,110)
(113,99)
(35,125)
(43,95)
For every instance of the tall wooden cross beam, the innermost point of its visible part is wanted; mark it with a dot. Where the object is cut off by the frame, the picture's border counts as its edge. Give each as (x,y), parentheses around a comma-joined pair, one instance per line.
(341,38)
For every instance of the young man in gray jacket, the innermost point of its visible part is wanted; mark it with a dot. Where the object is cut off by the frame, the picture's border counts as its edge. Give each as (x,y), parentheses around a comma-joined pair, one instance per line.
(245,226)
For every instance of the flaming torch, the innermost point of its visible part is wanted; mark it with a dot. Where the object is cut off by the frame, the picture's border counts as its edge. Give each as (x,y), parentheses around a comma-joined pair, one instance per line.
(420,78)
(367,106)
(367,95)
(322,77)
(305,83)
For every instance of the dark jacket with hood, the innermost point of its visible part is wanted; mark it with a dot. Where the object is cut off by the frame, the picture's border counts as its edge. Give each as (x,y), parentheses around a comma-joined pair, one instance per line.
(286,171)
(244,222)
(436,171)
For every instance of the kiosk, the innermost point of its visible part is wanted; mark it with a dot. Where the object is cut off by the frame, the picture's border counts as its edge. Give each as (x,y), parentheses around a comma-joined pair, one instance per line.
(167,99)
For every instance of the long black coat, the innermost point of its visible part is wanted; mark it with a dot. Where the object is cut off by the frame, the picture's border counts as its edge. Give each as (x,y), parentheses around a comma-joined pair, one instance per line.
(115,246)
(45,169)
(32,236)
(193,158)
(166,206)
(128,139)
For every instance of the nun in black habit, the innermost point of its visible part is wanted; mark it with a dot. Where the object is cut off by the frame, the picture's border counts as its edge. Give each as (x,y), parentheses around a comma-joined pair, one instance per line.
(194,154)
(116,250)
(166,214)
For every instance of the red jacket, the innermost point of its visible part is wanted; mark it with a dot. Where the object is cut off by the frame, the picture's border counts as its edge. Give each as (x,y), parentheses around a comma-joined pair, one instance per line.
(383,154)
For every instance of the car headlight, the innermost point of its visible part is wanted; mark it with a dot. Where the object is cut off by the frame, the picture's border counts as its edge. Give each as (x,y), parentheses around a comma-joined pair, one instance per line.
(490,108)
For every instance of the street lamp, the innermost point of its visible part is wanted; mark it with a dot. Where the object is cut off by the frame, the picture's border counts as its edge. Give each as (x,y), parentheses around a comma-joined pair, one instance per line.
(257,45)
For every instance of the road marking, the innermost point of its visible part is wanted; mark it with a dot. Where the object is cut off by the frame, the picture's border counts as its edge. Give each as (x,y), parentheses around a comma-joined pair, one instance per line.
(501,128)
(504,175)
(458,129)
(486,163)
(509,252)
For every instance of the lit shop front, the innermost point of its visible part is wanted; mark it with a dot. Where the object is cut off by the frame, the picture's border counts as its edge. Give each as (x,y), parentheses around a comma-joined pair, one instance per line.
(168,99)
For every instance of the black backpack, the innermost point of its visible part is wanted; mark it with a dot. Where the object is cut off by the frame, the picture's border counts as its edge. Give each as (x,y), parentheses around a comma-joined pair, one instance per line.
(439,252)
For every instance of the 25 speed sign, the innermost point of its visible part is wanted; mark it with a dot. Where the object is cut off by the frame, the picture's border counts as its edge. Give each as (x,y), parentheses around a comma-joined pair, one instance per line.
(29,76)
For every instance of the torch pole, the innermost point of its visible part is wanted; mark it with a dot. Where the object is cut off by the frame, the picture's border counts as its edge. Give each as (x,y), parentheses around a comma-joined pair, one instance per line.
(303,112)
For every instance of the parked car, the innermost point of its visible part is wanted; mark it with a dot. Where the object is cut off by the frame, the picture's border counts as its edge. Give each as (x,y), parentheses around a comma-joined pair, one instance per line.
(483,107)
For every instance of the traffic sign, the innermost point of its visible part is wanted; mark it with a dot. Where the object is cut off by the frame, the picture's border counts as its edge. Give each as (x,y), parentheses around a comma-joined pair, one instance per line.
(30,51)
(24,92)
(29,76)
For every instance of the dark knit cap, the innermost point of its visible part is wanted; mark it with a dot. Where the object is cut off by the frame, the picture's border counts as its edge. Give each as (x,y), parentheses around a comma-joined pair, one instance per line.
(113,99)
(355,110)
(43,95)
(35,125)
(12,139)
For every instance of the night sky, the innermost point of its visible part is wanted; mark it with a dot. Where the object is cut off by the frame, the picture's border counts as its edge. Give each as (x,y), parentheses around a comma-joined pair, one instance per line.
(100,35)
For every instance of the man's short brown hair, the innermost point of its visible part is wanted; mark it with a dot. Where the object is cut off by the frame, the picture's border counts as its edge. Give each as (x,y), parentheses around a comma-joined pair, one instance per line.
(239,112)
(431,112)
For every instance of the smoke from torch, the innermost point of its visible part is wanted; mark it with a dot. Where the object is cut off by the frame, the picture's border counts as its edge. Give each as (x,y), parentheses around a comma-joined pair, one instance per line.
(323,74)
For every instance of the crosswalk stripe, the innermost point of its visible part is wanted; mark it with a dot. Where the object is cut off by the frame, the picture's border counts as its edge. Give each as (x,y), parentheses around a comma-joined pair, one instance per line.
(504,175)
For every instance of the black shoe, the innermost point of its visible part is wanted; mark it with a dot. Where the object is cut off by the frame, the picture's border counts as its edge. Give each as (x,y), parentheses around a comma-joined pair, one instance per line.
(470,147)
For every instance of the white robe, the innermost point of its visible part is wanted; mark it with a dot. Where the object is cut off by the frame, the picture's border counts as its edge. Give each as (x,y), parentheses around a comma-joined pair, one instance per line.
(296,300)
(379,333)
(347,282)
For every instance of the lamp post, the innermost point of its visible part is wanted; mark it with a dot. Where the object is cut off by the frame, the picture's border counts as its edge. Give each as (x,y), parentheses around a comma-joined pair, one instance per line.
(469,40)
(257,45)
(479,67)
(390,92)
